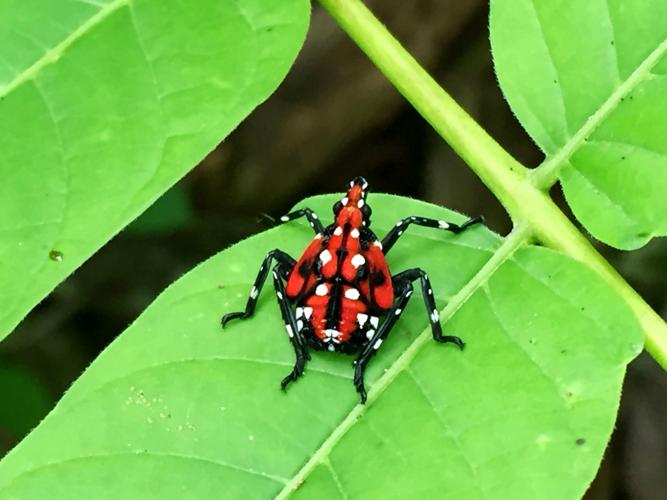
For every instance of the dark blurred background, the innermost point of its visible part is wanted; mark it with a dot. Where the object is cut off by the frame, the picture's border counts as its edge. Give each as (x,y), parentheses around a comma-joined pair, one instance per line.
(334,117)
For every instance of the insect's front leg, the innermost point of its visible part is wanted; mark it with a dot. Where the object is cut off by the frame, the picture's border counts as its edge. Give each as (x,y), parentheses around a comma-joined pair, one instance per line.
(400,227)
(312,217)
(284,260)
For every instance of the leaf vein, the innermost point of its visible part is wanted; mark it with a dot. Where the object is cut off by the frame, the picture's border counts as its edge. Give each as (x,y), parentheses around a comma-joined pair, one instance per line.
(546,174)
(448,432)
(151,454)
(56,52)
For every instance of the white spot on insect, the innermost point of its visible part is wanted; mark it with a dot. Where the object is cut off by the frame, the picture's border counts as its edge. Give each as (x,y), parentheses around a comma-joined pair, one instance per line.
(284,218)
(331,335)
(377,344)
(354,233)
(338,231)
(289,331)
(430,291)
(358,260)
(325,257)
(344,200)
(351,183)
(321,290)
(253,293)
(307,311)
(400,233)
(275,274)
(442,224)
(352,294)
(435,316)
(299,324)
(318,236)
(369,334)
(313,215)
(374,321)
(280,295)
(365,185)
(361,319)
(413,218)
(299,312)
(408,293)
(398,311)
(331,347)
(378,244)
(360,203)
(312,224)
(399,223)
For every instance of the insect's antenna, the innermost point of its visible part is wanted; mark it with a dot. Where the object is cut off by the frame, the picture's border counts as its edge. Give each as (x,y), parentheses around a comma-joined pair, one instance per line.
(264,218)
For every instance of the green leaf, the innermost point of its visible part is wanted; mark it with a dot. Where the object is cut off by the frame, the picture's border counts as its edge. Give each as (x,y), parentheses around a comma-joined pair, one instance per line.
(104,104)
(588,81)
(177,408)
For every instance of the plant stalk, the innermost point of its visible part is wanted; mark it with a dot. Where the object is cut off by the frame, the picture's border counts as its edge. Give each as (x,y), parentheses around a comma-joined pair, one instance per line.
(504,175)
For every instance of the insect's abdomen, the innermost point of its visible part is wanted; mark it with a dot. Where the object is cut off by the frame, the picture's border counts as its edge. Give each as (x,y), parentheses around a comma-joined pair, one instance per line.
(351,307)
(333,312)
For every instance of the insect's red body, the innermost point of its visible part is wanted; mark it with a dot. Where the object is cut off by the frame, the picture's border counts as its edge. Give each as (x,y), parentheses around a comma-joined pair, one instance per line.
(342,281)
(345,298)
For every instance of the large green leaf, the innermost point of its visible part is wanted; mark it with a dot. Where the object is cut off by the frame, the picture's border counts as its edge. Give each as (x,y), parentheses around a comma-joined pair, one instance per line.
(177,408)
(588,81)
(104,104)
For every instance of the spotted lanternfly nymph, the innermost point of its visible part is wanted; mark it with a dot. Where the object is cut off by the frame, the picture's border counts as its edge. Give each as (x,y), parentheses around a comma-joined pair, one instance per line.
(339,296)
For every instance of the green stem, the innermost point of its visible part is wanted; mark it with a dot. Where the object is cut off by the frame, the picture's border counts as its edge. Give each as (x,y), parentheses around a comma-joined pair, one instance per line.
(507,178)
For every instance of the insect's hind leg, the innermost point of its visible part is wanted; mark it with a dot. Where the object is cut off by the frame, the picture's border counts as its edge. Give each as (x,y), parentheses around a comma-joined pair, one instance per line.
(403,291)
(291,325)
(429,301)
(284,261)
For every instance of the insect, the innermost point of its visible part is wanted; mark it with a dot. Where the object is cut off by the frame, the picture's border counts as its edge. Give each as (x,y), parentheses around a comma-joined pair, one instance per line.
(340,296)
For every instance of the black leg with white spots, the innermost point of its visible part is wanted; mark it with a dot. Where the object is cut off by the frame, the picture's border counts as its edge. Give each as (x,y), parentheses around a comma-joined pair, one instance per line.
(377,337)
(400,227)
(292,325)
(285,262)
(429,301)
(312,217)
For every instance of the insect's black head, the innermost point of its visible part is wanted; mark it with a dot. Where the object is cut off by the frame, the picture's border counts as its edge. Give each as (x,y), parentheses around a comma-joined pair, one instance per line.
(353,209)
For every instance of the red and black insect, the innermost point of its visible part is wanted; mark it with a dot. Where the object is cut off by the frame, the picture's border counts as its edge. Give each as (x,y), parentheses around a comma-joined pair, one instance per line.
(339,296)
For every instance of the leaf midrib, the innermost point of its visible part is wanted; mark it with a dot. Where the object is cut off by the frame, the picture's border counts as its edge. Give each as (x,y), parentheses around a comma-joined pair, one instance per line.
(514,240)
(544,176)
(52,55)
